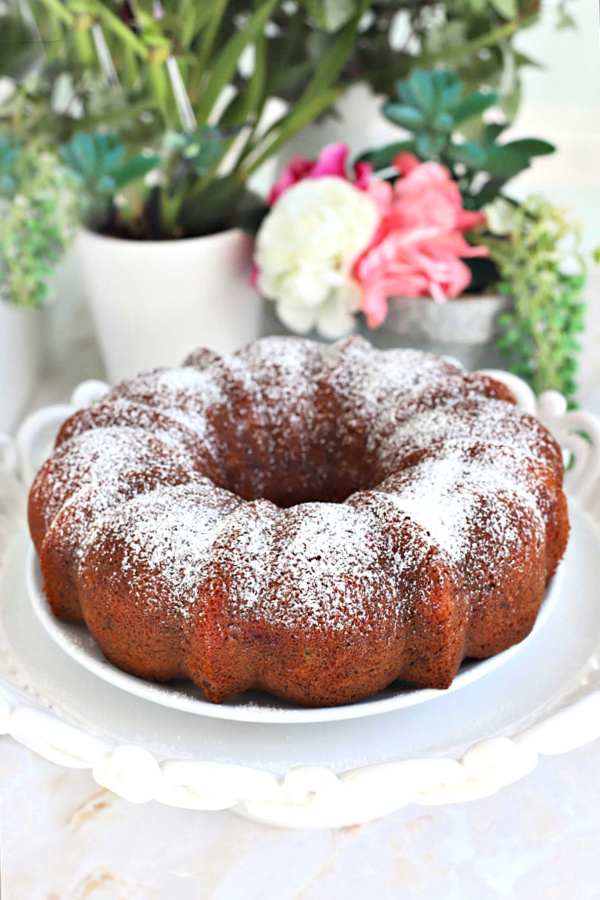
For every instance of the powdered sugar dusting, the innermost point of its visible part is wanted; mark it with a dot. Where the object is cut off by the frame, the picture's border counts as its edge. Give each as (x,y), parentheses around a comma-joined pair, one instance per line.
(327,570)
(455,420)
(185,394)
(316,565)
(163,537)
(107,458)
(448,493)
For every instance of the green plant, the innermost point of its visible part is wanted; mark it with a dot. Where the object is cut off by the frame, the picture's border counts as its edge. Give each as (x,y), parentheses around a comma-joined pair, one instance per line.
(37,220)
(191,82)
(99,162)
(435,107)
(537,251)
(101,168)
(145,69)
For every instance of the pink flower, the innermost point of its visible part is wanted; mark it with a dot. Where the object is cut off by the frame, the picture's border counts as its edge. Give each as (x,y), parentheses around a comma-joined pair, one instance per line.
(411,265)
(419,247)
(331,162)
(427,195)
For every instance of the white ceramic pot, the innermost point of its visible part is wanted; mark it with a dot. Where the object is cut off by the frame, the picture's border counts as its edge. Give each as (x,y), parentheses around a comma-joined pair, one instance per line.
(20,359)
(155,301)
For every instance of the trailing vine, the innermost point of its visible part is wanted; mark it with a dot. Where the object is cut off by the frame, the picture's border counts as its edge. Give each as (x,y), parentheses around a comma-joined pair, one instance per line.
(537,250)
(37,219)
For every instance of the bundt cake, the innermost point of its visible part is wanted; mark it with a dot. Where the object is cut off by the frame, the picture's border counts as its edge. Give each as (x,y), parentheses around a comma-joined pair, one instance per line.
(314,522)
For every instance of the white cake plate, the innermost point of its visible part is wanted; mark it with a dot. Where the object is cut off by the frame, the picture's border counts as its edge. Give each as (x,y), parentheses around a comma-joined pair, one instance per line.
(459,745)
(78,642)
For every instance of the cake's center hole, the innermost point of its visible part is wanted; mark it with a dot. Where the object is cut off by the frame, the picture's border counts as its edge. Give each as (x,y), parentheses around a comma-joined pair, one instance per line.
(314,478)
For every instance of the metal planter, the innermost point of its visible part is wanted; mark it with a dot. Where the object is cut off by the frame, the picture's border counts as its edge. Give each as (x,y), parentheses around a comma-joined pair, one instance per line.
(465,329)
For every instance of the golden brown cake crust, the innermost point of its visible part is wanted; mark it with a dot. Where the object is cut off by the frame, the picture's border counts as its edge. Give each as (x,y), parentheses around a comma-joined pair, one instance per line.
(313,522)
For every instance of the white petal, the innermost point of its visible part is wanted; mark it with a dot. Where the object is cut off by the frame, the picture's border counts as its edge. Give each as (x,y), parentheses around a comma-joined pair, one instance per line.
(299,319)
(305,288)
(334,319)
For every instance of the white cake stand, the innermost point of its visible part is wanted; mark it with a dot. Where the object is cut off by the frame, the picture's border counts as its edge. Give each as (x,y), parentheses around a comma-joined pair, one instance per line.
(457,746)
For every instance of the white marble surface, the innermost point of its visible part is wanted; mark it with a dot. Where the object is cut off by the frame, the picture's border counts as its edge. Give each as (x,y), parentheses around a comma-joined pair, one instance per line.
(64,839)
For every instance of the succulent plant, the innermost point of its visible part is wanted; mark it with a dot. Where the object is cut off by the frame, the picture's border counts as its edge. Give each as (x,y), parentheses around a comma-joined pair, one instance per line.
(100,164)
(435,107)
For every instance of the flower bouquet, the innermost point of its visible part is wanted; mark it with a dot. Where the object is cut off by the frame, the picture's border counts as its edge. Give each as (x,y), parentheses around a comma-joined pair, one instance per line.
(418,244)
(335,244)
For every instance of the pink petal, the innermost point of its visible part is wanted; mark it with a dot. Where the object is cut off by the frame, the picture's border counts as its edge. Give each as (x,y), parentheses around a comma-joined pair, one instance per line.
(362,175)
(405,163)
(374,306)
(381,192)
(331,161)
(468,219)
(253,277)
(437,293)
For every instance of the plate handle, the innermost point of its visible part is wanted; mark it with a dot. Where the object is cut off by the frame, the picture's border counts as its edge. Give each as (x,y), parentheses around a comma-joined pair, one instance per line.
(35,437)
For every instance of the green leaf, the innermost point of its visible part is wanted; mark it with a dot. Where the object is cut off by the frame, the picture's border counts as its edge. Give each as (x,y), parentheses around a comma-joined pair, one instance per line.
(505,161)
(211,208)
(194,17)
(406,116)
(443,122)
(447,87)
(225,66)
(248,101)
(106,185)
(473,105)
(217,11)
(383,158)
(404,92)
(492,131)
(209,146)
(422,88)
(523,59)
(90,156)
(330,15)
(428,146)
(469,153)
(531,147)
(335,59)
(508,9)
(135,168)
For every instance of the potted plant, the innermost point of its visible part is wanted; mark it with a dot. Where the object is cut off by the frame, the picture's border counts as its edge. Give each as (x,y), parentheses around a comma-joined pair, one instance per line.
(418,282)
(37,221)
(187,103)
(445,126)
(335,244)
(214,90)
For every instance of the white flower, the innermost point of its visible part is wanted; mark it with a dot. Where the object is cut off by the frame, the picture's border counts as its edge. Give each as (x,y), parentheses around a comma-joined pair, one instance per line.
(305,250)
(501,216)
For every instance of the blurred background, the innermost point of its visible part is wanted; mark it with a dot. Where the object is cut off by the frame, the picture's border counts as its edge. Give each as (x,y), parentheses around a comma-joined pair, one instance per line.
(548,85)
